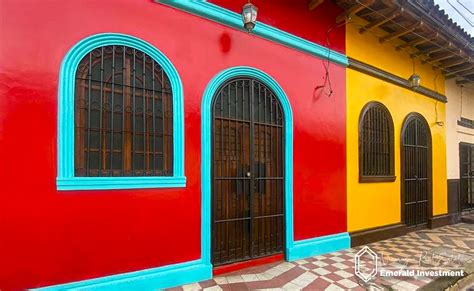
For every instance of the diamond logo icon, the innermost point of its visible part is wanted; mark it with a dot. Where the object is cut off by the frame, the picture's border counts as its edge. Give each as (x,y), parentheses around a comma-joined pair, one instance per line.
(366,264)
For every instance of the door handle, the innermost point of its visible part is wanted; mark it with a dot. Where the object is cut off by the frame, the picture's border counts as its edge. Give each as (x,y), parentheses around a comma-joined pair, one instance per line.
(248,174)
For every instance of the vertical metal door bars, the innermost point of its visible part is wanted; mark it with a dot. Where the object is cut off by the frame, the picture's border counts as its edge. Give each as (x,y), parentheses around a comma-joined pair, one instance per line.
(466,163)
(248,172)
(416,177)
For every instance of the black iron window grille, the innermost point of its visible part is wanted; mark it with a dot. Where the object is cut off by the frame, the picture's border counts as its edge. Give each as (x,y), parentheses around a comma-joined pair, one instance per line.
(122,115)
(469,123)
(376,153)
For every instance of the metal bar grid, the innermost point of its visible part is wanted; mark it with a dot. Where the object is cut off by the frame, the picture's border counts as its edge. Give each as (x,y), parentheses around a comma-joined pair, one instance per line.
(121,95)
(416,177)
(247,213)
(376,142)
(466,164)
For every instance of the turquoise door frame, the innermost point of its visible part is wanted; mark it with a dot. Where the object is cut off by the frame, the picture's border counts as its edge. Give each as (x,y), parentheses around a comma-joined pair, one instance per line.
(206,161)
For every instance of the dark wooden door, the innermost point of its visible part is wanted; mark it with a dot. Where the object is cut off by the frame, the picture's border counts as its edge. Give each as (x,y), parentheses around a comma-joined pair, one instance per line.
(247,172)
(466,161)
(416,171)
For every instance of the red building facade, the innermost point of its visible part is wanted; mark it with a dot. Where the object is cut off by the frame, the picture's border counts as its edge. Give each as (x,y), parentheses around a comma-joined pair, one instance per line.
(51,235)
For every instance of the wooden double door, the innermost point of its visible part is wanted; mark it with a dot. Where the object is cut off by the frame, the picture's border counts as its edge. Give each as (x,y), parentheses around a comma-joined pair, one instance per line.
(466,162)
(247,172)
(416,171)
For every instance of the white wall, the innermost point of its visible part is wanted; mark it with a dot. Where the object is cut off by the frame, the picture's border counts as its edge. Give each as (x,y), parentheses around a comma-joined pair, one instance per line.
(455,108)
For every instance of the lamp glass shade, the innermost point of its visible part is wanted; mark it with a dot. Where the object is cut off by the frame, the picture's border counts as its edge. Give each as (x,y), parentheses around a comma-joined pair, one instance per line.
(415,81)
(249,16)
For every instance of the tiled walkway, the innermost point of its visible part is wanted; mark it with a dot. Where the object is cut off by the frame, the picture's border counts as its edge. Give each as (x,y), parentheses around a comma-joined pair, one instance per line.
(449,245)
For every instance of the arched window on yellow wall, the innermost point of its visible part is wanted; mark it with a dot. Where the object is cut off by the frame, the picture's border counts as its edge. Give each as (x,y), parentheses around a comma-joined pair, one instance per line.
(376,153)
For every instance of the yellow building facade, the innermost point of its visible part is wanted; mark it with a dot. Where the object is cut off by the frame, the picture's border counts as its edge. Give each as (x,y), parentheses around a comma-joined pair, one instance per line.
(379,204)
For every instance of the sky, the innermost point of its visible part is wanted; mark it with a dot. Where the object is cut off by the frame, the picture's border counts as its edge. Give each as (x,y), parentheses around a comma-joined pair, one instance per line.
(461,11)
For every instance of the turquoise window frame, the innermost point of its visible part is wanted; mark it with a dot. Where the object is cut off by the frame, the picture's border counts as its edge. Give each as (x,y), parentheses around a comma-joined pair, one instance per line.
(206,160)
(65,176)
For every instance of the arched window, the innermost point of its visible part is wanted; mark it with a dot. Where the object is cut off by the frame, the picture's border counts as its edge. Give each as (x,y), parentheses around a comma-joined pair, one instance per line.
(376,161)
(123,115)
(120,116)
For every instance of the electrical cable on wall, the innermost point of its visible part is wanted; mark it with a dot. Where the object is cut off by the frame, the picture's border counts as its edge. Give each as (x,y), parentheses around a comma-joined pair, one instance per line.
(439,123)
(327,63)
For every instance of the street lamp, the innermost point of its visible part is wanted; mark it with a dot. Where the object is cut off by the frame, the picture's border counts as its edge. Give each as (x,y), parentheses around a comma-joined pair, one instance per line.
(415,81)
(249,16)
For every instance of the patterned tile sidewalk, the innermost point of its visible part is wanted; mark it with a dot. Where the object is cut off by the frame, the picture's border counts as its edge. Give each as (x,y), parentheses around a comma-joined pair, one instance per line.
(335,271)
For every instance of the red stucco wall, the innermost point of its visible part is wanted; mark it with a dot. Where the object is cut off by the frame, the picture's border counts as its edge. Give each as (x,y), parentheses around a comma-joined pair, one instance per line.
(293,16)
(50,237)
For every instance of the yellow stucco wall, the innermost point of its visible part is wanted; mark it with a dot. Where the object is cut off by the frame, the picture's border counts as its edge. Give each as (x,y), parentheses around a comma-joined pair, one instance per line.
(377,204)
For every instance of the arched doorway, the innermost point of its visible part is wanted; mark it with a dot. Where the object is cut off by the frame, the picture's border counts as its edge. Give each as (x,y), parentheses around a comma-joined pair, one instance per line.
(416,172)
(248,186)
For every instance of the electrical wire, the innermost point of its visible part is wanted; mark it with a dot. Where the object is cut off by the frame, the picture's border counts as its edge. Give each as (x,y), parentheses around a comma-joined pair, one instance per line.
(462,15)
(439,123)
(327,63)
(465,7)
(435,85)
(420,36)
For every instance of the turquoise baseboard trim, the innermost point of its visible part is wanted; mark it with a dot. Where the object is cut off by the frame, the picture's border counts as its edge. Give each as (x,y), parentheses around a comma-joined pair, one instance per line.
(149,279)
(194,271)
(229,18)
(318,246)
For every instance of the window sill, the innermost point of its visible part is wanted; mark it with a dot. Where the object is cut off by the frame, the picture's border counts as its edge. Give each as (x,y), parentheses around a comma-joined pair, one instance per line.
(109,183)
(376,179)
(466,122)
